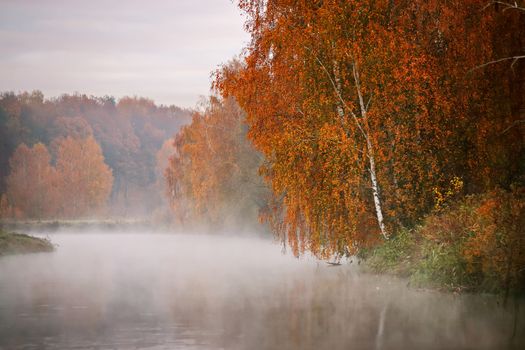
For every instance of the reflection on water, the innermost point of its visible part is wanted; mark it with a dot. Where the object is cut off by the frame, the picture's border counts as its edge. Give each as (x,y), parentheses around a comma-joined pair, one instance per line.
(152,291)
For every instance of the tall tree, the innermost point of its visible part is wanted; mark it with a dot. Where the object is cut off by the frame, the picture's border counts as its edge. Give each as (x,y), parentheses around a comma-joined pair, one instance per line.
(339,101)
(84,178)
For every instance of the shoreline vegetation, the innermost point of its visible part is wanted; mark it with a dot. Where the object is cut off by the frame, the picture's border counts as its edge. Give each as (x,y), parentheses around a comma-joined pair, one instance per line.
(51,225)
(17,243)
(471,245)
(388,130)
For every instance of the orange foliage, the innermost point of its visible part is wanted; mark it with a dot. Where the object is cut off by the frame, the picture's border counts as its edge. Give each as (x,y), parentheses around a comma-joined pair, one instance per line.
(327,87)
(212,175)
(84,180)
(489,230)
(129,131)
(496,244)
(364,108)
(487,101)
(79,184)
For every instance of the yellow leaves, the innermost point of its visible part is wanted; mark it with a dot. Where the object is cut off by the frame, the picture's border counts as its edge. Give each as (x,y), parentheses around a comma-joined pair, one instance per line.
(441,196)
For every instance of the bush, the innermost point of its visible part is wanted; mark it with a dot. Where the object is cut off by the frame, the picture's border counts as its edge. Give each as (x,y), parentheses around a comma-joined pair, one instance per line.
(495,245)
(475,244)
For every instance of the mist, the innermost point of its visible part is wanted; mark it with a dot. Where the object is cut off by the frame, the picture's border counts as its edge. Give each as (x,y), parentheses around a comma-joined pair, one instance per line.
(178,291)
(262,174)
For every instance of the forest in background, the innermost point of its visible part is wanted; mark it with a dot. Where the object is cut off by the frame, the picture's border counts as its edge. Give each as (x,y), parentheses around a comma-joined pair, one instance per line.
(389,129)
(79,156)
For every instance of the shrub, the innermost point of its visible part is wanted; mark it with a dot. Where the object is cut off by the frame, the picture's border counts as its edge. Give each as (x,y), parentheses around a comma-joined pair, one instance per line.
(477,243)
(441,265)
(496,242)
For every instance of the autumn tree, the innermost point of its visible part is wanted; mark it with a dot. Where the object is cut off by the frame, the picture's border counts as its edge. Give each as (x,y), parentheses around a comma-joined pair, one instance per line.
(75,127)
(369,107)
(212,175)
(339,102)
(163,160)
(31,184)
(84,178)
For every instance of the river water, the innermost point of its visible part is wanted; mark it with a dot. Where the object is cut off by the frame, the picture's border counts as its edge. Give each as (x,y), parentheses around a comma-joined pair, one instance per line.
(165,291)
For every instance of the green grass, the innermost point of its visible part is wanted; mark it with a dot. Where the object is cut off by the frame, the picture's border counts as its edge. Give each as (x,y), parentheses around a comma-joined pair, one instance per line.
(474,244)
(425,263)
(441,266)
(394,256)
(16,243)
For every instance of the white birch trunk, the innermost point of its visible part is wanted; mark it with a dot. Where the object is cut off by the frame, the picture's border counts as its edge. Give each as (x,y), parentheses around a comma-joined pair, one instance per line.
(371,158)
(364,131)
(375,193)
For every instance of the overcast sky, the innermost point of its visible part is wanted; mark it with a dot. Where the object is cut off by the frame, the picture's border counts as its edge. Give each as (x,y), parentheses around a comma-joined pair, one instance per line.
(161,49)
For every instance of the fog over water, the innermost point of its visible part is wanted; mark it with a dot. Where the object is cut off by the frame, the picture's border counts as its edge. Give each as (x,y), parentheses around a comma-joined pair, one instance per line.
(103,290)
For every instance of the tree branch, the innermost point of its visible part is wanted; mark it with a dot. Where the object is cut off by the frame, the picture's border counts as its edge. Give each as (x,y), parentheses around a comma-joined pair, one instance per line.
(506,5)
(338,93)
(516,122)
(513,58)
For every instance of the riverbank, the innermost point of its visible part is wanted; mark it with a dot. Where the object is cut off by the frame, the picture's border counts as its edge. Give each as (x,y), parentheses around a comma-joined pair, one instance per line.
(16,243)
(51,225)
(474,245)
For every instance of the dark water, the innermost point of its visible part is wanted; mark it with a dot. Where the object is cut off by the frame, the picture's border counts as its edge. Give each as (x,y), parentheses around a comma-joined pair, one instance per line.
(153,291)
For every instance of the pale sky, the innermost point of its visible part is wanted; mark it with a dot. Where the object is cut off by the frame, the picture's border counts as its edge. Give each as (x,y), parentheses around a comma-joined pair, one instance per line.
(161,49)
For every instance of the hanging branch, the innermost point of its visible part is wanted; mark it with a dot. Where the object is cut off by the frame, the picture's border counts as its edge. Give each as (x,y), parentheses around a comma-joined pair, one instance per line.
(513,58)
(506,5)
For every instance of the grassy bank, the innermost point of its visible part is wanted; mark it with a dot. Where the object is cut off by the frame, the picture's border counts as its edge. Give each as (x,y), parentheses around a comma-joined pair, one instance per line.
(52,225)
(15,243)
(476,244)
(425,263)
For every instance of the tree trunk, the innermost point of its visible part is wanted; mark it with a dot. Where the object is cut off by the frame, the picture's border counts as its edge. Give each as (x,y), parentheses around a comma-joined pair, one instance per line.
(375,193)
(370,154)
(363,127)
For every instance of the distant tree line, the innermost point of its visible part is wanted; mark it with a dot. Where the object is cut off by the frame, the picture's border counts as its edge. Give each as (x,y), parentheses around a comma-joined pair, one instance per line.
(124,135)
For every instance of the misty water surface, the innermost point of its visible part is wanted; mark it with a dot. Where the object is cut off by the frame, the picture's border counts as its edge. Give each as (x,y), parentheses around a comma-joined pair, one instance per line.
(159,291)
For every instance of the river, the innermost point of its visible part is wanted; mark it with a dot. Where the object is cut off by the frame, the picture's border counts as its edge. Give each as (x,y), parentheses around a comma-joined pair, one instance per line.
(103,290)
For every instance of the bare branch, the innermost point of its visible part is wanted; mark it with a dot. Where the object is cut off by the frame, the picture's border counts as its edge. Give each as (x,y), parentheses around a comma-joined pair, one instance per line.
(338,93)
(506,5)
(368,103)
(516,122)
(513,58)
